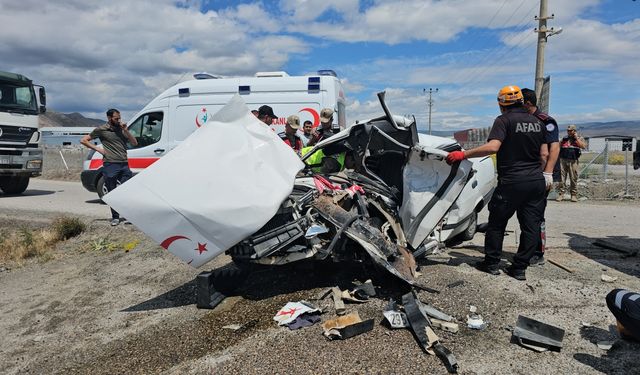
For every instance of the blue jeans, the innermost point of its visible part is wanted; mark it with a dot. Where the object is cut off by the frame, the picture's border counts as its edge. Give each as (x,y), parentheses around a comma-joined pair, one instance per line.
(114,173)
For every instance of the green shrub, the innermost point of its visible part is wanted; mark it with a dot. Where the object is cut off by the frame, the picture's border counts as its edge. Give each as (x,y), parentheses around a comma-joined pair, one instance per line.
(68,227)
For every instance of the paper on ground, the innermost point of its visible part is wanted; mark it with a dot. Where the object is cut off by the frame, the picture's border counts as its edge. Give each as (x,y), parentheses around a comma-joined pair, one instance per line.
(220,185)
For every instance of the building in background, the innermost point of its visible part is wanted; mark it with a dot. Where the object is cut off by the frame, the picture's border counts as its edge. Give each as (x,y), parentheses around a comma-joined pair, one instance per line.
(63,136)
(616,143)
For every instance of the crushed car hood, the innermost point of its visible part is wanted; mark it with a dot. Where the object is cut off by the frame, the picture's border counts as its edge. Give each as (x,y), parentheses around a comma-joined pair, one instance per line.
(220,185)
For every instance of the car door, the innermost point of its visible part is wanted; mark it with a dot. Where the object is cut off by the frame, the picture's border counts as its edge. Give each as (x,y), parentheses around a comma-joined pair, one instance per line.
(430,187)
(148,131)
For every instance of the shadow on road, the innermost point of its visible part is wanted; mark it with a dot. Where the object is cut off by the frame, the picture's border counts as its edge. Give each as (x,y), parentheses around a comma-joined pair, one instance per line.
(29,193)
(266,282)
(584,245)
(95,201)
(180,296)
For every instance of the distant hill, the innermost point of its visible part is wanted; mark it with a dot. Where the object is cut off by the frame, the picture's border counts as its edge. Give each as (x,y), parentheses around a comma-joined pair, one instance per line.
(587,129)
(75,119)
(590,129)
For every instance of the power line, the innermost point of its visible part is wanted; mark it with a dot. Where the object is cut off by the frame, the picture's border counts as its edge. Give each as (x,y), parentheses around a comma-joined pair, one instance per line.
(471,74)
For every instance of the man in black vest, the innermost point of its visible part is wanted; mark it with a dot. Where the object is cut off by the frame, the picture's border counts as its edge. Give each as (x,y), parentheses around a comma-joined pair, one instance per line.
(531,104)
(570,150)
(518,138)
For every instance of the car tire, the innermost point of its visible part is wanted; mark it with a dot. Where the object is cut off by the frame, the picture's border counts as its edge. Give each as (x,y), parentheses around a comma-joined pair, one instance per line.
(472,227)
(100,187)
(11,185)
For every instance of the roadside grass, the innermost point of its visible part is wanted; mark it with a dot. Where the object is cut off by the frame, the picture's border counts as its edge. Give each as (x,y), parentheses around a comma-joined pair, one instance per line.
(20,244)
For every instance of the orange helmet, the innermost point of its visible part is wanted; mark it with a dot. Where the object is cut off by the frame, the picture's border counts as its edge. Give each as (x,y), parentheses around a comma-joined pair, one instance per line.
(509,95)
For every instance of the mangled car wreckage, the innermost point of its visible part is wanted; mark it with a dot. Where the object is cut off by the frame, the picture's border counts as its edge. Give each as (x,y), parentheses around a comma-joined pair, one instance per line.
(377,191)
(395,198)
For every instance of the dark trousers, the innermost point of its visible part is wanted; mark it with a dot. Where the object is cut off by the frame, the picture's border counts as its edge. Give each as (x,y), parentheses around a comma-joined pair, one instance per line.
(625,306)
(114,173)
(527,199)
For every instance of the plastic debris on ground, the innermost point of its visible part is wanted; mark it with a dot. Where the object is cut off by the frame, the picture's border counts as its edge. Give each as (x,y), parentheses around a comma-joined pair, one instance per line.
(538,336)
(346,326)
(474,320)
(607,278)
(395,317)
(292,310)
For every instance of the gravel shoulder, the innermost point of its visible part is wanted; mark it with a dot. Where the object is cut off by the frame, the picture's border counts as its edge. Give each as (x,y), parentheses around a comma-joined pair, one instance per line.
(103,312)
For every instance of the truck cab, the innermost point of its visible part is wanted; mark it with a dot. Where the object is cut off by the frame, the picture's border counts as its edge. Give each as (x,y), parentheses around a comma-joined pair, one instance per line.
(20,152)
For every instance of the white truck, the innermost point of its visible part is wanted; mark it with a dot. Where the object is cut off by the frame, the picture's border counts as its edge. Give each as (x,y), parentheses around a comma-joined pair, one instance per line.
(173,115)
(20,152)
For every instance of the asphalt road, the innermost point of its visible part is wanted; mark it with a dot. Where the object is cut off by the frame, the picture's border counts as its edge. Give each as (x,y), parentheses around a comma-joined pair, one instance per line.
(56,197)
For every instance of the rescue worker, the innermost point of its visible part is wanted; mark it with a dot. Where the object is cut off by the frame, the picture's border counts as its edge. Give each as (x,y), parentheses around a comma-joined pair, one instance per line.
(290,135)
(625,306)
(553,146)
(518,139)
(324,131)
(320,163)
(266,115)
(570,151)
(113,136)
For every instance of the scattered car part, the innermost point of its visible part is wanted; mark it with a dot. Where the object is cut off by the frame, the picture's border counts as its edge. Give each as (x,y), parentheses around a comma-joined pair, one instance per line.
(395,317)
(605,345)
(289,312)
(537,335)
(346,326)
(336,294)
(421,328)
(445,326)
(475,321)
(608,279)
(455,284)
(435,313)
(560,265)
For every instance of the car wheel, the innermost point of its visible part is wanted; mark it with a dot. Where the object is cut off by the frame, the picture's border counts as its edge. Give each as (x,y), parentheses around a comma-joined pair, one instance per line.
(101,188)
(471,228)
(14,185)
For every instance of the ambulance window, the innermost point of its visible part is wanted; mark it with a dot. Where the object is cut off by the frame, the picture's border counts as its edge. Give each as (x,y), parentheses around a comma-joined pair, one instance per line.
(147,128)
(342,119)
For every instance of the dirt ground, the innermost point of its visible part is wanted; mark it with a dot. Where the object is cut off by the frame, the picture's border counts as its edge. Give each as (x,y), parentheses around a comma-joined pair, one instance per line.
(101,310)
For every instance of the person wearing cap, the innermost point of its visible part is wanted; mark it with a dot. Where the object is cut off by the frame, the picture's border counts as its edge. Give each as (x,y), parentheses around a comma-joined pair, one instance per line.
(290,135)
(517,137)
(324,131)
(625,306)
(570,151)
(266,115)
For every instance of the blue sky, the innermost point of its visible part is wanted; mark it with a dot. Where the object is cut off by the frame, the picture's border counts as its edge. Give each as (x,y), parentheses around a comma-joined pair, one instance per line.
(93,54)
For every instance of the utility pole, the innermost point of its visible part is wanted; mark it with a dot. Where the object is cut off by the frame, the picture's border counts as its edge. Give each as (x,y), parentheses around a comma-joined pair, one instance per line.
(543,34)
(430,103)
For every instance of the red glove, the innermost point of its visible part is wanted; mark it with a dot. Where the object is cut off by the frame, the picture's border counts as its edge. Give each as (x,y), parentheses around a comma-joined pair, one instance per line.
(455,156)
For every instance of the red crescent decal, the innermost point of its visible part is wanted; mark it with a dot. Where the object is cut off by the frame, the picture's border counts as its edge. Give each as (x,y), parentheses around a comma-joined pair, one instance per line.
(198,124)
(314,113)
(166,243)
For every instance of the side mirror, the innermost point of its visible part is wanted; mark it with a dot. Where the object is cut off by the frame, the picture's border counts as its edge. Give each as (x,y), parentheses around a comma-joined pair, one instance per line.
(42,96)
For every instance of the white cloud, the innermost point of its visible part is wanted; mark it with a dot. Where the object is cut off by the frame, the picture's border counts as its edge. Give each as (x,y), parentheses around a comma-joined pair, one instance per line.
(403,21)
(92,54)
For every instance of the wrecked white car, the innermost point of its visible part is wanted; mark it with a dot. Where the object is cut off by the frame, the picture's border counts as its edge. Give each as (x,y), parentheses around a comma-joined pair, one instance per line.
(377,191)
(394,199)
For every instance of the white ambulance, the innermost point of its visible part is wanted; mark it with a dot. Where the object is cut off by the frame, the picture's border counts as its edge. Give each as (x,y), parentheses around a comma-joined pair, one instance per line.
(169,118)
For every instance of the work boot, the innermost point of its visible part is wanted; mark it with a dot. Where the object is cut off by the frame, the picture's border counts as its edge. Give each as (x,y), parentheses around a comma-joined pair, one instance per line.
(493,269)
(536,260)
(574,198)
(516,273)
(559,198)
